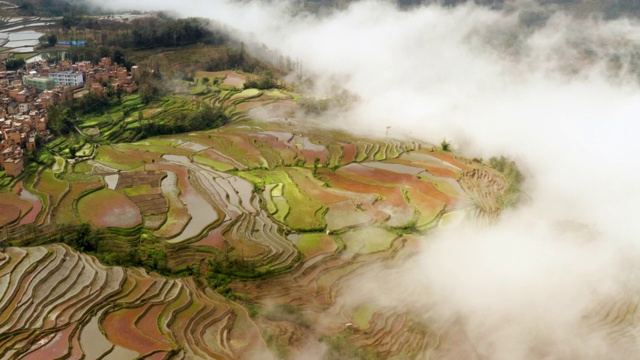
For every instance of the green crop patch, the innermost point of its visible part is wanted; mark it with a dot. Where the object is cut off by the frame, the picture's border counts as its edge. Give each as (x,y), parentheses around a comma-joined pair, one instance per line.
(51,185)
(137,190)
(304,214)
(111,157)
(363,315)
(316,243)
(217,165)
(368,240)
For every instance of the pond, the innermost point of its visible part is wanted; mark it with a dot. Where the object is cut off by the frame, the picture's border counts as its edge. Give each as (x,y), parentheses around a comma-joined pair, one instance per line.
(36,205)
(22,41)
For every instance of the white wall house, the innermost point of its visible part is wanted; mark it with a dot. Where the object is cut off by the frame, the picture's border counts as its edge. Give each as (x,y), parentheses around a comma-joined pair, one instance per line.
(67,78)
(24,108)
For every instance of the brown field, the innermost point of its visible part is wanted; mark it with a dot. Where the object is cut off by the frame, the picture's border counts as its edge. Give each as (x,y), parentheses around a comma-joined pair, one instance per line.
(429,207)
(177,60)
(275,111)
(310,185)
(231,78)
(389,178)
(285,151)
(450,158)
(8,213)
(349,151)
(214,238)
(389,194)
(12,199)
(143,188)
(235,146)
(57,346)
(121,329)
(255,103)
(345,214)
(177,215)
(109,208)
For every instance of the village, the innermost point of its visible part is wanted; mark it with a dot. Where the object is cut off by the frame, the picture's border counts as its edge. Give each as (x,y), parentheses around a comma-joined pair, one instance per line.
(26,95)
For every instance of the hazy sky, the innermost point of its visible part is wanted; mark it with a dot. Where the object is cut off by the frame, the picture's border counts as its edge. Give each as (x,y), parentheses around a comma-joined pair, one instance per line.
(562,98)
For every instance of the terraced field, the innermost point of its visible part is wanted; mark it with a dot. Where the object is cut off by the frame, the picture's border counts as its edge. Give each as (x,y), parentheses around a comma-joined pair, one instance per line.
(257,225)
(78,307)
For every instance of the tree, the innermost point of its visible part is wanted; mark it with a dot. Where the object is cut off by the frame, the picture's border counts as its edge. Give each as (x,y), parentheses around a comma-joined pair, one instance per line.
(266,81)
(205,80)
(82,238)
(119,57)
(14,64)
(59,123)
(445,145)
(52,39)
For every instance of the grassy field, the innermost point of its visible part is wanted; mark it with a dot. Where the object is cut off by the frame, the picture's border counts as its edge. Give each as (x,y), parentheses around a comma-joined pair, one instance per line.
(51,185)
(4,180)
(112,157)
(65,211)
(182,59)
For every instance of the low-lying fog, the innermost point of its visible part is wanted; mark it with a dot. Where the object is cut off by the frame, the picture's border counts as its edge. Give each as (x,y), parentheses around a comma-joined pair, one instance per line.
(557,93)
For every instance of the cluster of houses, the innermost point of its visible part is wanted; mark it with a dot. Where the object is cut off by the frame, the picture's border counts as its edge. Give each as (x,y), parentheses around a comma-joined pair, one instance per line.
(25,96)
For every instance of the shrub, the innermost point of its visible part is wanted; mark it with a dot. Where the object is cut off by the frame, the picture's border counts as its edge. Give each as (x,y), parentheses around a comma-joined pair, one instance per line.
(445,145)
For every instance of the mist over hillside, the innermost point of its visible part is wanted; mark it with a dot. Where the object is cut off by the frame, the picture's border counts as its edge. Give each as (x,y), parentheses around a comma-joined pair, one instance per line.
(555,91)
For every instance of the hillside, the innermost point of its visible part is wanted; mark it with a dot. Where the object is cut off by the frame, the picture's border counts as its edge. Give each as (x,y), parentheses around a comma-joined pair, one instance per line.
(222,243)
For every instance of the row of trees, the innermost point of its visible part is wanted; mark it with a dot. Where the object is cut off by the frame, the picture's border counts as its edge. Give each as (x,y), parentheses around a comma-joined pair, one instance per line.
(52,7)
(265,81)
(152,32)
(147,32)
(102,242)
(207,117)
(236,58)
(94,54)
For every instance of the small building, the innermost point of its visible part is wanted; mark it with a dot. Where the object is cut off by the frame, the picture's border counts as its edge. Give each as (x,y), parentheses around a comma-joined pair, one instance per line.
(12,161)
(12,137)
(14,166)
(105,62)
(48,98)
(24,107)
(41,125)
(130,88)
(31,143)
(41,84)
(97,89)
(12,108)
(78,43)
